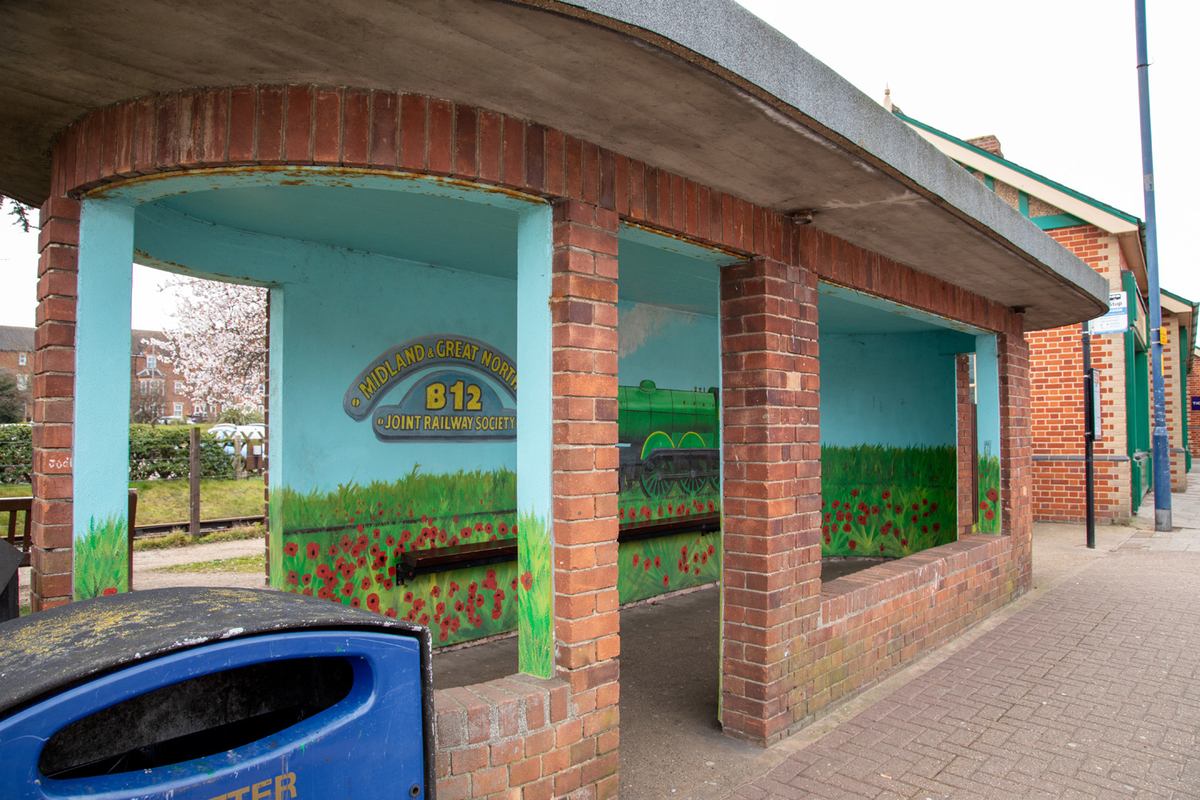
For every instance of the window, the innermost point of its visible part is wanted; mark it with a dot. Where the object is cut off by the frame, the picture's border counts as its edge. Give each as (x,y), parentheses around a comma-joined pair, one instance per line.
(22,382)
(21,359)
(151,362)
(144,386)
(261,390)
(179,409)
(180,387)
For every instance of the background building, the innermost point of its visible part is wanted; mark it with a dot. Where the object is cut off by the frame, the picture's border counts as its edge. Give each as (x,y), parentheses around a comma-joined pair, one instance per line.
(1110,242)
(16,357)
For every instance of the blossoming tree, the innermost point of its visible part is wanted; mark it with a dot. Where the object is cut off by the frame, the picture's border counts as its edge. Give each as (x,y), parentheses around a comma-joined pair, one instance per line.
(218,341)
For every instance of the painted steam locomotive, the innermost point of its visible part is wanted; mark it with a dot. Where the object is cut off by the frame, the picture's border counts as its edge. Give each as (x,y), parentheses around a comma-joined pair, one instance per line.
(669,442)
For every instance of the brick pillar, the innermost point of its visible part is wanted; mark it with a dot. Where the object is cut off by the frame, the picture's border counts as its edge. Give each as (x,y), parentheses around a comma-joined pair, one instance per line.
(54,403)
(584,389)
(967,499)
(1016,450)
(772,494)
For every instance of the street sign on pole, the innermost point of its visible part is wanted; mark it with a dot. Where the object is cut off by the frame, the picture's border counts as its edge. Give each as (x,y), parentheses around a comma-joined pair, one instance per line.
(1117,318)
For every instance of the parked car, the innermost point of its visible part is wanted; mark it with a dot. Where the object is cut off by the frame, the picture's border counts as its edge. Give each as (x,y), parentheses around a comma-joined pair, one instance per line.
(252,436)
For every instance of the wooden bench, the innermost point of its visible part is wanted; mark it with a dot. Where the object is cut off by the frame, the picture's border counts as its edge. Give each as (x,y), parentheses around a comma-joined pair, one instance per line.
(479,554)
(14,506)
(18,534)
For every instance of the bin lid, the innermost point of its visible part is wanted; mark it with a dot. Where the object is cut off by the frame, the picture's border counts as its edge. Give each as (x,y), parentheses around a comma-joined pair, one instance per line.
(50,651)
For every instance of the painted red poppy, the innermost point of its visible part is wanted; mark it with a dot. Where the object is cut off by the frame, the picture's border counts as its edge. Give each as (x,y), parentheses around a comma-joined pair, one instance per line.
(527,579)
(853,545)
(291,548)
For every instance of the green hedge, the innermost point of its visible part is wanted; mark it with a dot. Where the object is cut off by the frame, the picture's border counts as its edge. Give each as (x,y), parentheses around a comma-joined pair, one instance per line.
(162,452)
(158,452)
(16,453)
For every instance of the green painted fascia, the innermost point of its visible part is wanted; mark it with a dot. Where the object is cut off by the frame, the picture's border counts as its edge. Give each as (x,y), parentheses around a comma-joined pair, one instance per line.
(1129,286)
(1130,401)
(989,182)
(1052,222)
(1026,172)
(1178,298)
(1023,204)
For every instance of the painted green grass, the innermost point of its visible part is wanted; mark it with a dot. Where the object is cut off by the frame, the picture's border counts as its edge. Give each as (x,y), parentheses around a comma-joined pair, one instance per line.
(887,501)
(101,558)
(535,598)
(989,495)
(344,545)
(234,564)
(653,566)
(461,504)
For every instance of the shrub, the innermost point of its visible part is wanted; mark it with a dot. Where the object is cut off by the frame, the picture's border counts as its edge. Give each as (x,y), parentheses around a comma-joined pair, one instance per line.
(154,452)
(162,452)
(16,453)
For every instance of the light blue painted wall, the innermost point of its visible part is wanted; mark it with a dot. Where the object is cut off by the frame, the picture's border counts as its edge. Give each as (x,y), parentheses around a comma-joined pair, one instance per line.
(533,354)
(349,309)
(102,341)
(889,389)
(987,394)
(675,349)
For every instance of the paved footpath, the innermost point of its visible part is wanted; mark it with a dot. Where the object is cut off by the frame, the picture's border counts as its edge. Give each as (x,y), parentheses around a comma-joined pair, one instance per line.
(1091,690)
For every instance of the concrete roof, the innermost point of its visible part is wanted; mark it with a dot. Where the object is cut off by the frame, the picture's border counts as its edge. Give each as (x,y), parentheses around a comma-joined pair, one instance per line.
(699,87)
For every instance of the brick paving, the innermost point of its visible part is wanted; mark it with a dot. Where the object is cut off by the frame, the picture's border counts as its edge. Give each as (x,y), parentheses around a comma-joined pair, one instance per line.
(1090,691)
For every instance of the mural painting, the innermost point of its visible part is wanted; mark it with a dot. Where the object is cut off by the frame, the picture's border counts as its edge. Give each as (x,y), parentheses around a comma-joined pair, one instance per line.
(362,544)
(887,501)
(989,494)
(102,557)
(889,463)
(670,480)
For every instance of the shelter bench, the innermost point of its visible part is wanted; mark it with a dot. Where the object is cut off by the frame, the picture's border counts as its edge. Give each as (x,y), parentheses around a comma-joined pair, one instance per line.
(478,554)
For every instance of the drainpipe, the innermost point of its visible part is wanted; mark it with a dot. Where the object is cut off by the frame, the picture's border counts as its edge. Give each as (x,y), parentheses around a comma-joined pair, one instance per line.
(1162,456)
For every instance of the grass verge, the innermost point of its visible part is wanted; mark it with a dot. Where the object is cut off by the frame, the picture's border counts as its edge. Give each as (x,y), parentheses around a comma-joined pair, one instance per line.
(180,538)
(167,501)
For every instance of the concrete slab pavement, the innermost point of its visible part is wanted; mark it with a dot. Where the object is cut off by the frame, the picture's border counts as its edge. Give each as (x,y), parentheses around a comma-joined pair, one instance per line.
(1086,687)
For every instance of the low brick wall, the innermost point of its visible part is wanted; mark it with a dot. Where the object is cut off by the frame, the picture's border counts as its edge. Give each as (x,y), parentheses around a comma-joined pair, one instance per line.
(880,618)
(524,736)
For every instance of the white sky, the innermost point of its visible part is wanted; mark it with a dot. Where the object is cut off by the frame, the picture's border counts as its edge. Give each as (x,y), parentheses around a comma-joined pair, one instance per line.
(1054,80)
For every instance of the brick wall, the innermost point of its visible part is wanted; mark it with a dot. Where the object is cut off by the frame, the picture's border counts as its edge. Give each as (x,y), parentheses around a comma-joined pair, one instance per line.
(587,620)
(1193,390)
(1056,376)
(877,619)
(772,481)
(1172,368)
(967,446)
(535,739)
(1016,452)
(54,405)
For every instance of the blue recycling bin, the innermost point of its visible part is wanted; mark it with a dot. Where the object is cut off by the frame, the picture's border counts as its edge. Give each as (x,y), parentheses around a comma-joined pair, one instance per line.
(214,694)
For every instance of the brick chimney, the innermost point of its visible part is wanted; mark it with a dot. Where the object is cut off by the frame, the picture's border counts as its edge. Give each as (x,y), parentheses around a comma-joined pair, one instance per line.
(988,143)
